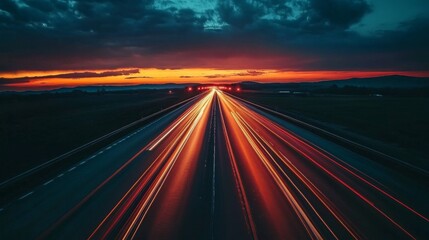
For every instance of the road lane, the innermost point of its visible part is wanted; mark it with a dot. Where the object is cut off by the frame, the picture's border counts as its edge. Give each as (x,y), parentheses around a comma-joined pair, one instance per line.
(265,199)
(21,218)
(289,157)
(218,168)
(155,182)
(185,188)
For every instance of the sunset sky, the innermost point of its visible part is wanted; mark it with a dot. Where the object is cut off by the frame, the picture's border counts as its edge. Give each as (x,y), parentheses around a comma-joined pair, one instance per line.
(47,44)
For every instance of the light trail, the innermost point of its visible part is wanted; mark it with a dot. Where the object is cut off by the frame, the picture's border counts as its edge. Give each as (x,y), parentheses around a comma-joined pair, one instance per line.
(153,179)
(132,229)
(261,133)
(238,181)
(284,187)
(308,224)
(338,162)
(260,143)
(116,173)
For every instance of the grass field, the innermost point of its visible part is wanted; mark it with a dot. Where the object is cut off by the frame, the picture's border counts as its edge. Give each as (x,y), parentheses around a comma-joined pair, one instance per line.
(400,122)
(36,128)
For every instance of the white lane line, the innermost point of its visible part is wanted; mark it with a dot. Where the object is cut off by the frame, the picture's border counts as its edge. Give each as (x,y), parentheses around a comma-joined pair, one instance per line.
(71,169)
(83,162)
(93,156)
(26,195)
(109,147)
(62,174)
(100,152)
(214,174)
(46,183)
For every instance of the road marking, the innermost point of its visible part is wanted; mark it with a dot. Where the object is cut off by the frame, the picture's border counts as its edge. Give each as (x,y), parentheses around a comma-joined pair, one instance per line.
(62,174)
(214,173)
(100,152)
(46,183)
(83,162)
(71,169)
(26,195)
(109,147)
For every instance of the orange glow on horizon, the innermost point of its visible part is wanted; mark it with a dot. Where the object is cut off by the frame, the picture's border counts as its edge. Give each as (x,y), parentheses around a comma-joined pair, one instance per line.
(38,80)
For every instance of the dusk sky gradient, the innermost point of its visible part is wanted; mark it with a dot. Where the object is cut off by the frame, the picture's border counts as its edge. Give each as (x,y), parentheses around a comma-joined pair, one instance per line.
(54,43)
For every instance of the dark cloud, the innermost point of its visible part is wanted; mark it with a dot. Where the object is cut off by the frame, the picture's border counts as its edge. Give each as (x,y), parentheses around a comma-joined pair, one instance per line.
(139,77)
(5,81)
(336,13)
(74,75)
(251,73)
(240,74)
(239,13)
(292,34)
(306,14)
(94,74)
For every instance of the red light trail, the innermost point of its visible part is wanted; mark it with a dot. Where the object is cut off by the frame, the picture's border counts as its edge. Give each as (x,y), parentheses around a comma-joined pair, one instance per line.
(222,160)
(280,195)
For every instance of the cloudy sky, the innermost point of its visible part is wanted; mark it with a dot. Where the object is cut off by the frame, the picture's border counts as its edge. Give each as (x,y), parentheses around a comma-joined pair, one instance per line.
(54,43)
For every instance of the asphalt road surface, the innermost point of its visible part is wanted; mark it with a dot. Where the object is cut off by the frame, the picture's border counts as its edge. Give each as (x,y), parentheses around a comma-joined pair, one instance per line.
(217,168)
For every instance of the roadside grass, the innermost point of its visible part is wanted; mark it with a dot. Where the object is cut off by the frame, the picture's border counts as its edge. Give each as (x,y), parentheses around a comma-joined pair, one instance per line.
(401,122)
(37,128)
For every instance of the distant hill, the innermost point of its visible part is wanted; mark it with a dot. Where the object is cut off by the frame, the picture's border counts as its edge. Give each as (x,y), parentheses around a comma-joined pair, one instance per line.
(393,81)
(107,88)
(385,82)
(249,83)
(121,88)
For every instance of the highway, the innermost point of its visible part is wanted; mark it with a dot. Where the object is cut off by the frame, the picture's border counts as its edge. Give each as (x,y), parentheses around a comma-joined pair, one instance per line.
(218,168)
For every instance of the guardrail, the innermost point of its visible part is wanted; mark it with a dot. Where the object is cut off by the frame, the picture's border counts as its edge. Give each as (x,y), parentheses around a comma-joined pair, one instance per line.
(356,147)
(24,179)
